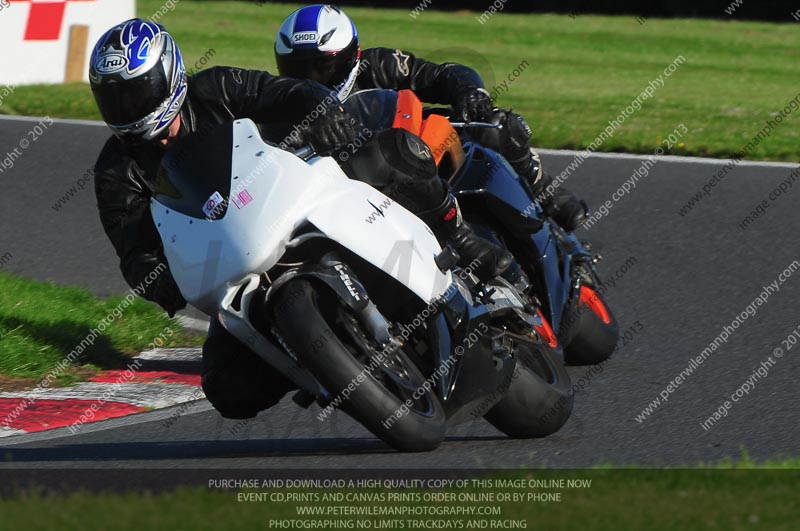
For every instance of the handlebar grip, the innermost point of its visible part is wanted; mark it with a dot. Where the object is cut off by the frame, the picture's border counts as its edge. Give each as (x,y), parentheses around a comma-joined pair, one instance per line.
(477,125)
(305,153)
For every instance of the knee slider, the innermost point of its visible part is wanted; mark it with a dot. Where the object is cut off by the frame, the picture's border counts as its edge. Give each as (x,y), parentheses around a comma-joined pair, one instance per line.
(408,154)
(226,398)
(242,389)
(395,155)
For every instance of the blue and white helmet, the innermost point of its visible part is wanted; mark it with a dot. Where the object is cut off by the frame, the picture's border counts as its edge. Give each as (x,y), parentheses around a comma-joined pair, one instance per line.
(138,79)
(319,42)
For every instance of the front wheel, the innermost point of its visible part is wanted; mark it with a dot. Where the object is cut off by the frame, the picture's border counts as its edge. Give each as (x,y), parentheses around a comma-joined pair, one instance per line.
(592,330)
(538,401)
(381,389)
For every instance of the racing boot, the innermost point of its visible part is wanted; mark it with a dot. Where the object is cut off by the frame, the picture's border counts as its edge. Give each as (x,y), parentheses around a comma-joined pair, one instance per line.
(481,257)
(512,141)
(558,203)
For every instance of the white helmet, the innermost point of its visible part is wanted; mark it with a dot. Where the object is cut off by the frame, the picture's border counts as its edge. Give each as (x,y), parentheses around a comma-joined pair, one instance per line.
(319,42)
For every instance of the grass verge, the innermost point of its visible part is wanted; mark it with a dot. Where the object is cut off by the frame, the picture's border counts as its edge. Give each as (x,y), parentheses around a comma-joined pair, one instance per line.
(41,323)
(726,497)
(581,71)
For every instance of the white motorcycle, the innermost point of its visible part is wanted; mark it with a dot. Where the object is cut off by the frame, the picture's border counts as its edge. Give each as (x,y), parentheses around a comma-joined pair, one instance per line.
(349,295)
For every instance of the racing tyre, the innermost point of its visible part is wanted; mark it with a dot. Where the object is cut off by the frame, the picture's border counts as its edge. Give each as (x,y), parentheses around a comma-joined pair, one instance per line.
(538,401)
(592,330)
(370,385)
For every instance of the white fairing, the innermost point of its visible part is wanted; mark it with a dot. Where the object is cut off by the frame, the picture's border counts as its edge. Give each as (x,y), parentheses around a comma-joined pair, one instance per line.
(280,192)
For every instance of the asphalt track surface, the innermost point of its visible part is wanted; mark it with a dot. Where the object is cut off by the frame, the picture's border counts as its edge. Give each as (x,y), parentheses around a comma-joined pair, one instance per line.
(692,276)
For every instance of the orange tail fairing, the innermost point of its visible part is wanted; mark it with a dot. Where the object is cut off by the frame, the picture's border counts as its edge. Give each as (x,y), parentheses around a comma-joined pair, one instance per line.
(441,137)
(409,112)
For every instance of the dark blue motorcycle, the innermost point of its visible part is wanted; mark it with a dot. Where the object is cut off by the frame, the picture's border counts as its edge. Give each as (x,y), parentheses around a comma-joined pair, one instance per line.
(553,267)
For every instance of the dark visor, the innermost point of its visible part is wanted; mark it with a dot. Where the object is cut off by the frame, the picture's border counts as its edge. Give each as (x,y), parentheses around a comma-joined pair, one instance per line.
(128,101)
(330,70)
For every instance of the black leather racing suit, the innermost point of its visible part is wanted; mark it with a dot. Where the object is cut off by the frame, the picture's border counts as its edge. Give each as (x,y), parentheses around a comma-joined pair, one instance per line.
(124,172)
(446,84)
(432,83)
(235,380)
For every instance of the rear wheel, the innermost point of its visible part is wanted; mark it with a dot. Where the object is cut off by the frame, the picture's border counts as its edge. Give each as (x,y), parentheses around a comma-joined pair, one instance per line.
(538,401)
(382,389)
(592,330)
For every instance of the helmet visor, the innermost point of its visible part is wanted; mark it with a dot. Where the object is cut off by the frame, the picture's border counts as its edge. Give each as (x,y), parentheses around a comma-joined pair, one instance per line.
(329,70)
(126,102)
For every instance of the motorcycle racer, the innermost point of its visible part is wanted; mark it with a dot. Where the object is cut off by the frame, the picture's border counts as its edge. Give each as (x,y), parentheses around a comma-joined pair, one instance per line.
(320,42)
(139,83)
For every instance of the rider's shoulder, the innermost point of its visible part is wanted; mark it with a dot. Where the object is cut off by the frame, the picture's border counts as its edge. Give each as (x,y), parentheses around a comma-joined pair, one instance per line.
(381,52)
(117,156)
(215,75)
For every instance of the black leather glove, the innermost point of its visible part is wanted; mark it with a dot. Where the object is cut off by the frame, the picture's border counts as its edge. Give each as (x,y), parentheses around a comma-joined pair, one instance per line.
(331,130)
(164,291)
(512,140)
(516,136)
(474,105)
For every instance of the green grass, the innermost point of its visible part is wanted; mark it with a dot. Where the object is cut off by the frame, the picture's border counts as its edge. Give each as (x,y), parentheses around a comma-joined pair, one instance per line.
(616,500)
(72,100)
(40,324)
(583,71)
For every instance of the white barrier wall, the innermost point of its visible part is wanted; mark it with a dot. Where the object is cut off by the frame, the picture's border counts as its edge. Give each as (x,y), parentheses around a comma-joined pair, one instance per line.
(34,35)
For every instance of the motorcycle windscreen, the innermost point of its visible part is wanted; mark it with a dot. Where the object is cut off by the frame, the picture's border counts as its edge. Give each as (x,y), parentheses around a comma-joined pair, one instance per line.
(375,109)
(195,174)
